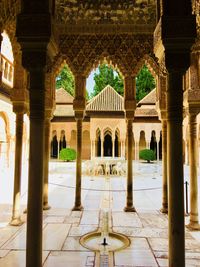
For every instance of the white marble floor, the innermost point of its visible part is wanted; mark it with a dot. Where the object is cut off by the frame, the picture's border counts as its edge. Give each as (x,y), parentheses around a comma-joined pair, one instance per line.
(62,229)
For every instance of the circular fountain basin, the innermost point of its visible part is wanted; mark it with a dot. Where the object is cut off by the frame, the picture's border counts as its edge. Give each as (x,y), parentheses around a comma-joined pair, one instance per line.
(94,241)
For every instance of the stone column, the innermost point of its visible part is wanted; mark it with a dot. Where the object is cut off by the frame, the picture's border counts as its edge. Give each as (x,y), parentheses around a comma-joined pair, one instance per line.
(129,198)
(79,107)
(113,147)
(33,32)
(148,144)
(175,170)
(16,218)
(158,151)
(46,163)
(77,205)
(194,220)
(164,208)
(102,150)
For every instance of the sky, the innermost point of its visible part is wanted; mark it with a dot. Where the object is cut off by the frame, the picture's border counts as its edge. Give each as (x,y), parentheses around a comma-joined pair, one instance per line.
(90,82)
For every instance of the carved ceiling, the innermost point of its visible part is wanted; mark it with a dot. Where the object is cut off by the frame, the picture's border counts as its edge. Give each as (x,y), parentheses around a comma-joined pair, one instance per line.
(84,52)
(105,12)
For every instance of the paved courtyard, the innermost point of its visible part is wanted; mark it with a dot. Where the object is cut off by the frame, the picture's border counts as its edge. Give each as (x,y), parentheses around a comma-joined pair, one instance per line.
(146,229)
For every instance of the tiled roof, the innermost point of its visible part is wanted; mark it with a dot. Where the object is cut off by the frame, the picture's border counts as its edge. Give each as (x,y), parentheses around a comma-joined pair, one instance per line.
(62,96)
(148,99)
(107,100)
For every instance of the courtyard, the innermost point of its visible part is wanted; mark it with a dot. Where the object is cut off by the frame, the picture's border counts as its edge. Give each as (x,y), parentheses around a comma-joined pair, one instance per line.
(62,228)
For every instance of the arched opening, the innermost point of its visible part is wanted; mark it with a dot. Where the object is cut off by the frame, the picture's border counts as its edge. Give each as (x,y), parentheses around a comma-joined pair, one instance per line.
(62,143)
(145,83)
(7,60)
(117,144)
(153,143)
(108,144)
(142,141)
(98,143)
(101,77)
(54,145)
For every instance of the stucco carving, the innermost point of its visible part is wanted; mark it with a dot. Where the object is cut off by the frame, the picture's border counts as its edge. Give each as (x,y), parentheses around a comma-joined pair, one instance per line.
(84,52)
(105,12)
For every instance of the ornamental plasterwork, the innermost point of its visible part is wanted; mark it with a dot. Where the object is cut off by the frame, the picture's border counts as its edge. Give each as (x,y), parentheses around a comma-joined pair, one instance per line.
(84,52)
(8,10)
(105,11)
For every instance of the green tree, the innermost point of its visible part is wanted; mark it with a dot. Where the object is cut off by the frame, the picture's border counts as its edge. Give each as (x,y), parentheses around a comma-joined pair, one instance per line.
(147,154)
(65,79)
(144,83)
(106,76)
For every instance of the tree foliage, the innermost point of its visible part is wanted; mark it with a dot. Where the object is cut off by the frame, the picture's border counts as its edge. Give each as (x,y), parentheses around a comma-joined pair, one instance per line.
(144,83)
(106,76)
(65,80)
(147,154)
(67,154)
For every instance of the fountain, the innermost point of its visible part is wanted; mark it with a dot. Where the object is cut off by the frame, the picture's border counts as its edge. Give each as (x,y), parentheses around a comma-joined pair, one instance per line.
(104,241)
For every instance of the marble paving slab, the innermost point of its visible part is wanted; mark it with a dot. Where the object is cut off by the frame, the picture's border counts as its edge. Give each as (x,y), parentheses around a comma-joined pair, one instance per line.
(142,232)
(153,221)
(90,217)
(126,219)
(54,236)
(17,259)
(7,233)
(54,219)
(142,258)
(71,259)
(82,230)
(72,243)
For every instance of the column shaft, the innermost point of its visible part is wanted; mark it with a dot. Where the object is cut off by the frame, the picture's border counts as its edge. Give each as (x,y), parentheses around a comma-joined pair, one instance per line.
(175,170)
(16,220)
(46,164)
(36,169)
(102,147)
(164,208)
(194,220)
(129,196)
(113,148)
(78,205)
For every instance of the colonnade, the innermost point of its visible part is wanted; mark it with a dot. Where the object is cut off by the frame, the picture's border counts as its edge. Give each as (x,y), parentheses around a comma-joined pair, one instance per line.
(34,44)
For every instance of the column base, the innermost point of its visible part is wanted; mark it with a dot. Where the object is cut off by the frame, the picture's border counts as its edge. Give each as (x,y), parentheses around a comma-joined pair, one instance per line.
(129,209)
(16,222)
(46,206)
(164,210)
(193,226)
(77,208)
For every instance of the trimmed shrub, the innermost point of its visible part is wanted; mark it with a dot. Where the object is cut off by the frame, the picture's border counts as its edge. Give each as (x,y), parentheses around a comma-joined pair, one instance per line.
(147,154)
(67,154)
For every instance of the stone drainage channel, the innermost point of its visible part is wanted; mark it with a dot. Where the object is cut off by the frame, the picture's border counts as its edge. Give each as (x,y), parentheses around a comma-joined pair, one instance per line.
(104,241)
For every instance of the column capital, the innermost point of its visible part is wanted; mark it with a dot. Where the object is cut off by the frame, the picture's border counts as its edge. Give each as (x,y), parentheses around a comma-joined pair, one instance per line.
(20,108)
(79,104)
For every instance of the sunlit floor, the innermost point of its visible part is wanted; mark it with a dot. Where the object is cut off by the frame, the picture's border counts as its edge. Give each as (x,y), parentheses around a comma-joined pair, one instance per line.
(146,229)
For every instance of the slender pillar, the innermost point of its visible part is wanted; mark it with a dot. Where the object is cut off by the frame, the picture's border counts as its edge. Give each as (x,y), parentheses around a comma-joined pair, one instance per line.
(194,220)
(164,208)
(129,197)
(46,164)
(102,150)
(175,170)
(157,151)
(113,147)
(16,218)
(77,205)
